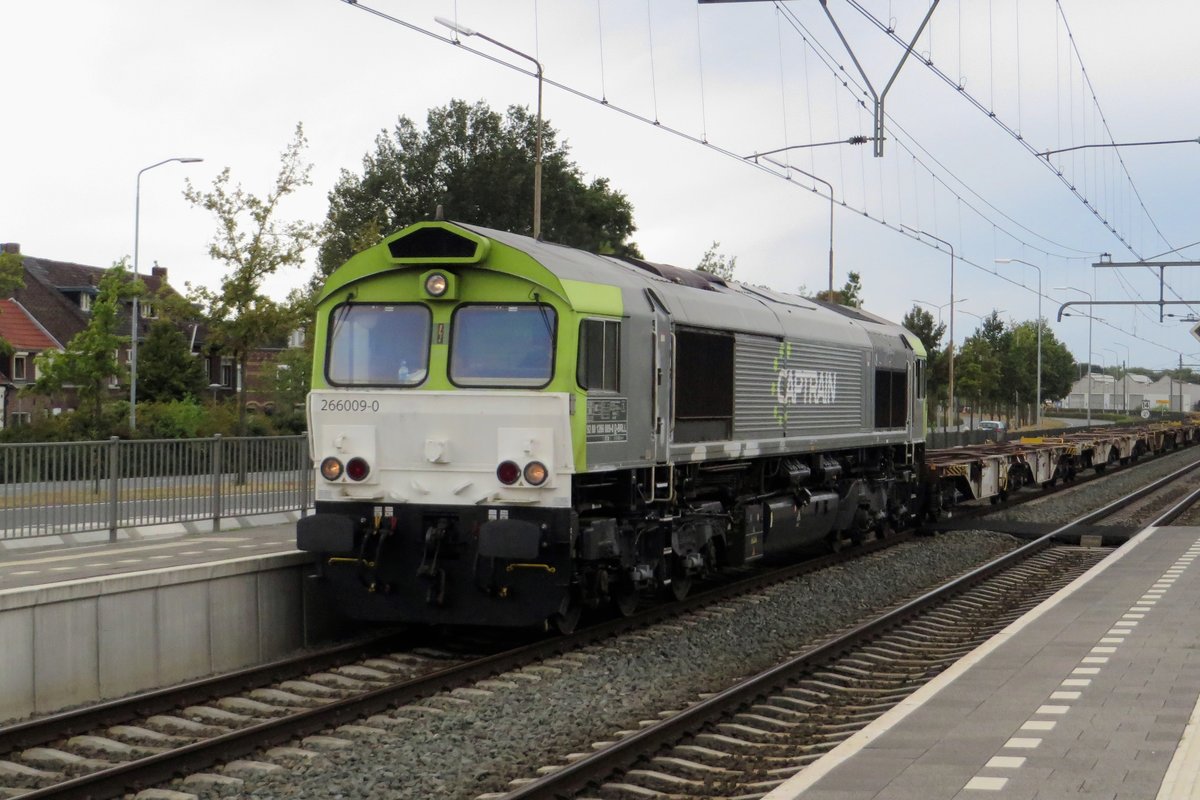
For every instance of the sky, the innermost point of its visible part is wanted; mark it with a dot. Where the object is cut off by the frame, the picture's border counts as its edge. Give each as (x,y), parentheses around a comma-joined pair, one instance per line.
(665,98)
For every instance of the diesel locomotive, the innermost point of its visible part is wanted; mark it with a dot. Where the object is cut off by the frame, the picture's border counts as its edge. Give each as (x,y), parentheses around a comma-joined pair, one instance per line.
(507,431)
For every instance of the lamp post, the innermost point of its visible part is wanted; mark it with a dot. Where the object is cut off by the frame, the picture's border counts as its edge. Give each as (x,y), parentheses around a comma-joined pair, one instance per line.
(1125,378)
(981,317)
(1116,361)
(133,322)
(950,349)
(1089,357)
(1039,331)
(828,185)
(938,307)
(537,157)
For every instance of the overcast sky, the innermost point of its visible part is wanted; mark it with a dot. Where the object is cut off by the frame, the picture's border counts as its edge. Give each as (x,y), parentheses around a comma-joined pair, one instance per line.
(94,90)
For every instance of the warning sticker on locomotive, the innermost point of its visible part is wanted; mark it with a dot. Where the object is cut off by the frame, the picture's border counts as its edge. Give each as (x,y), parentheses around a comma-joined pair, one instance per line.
(607,420)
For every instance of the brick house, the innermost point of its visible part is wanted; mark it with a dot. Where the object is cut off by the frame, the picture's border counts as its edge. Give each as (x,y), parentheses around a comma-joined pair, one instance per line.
(28,339)
(57,297)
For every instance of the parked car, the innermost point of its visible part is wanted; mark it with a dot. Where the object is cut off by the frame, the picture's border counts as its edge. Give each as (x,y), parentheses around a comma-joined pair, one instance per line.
(994,426)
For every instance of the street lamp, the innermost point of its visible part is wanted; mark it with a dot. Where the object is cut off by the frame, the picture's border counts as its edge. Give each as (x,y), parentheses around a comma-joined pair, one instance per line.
(1089,392)
(981,317)
(828,185)
(537,158)
(1039,331)
(938,307)
(950,349)
(133,322)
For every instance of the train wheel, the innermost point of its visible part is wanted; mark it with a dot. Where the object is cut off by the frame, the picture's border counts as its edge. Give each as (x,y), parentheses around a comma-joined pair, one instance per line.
(835,542)
(625,599)
(565,621)
(680,586)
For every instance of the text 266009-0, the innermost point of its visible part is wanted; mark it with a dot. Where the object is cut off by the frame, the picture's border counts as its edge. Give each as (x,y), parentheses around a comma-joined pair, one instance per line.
(361,406)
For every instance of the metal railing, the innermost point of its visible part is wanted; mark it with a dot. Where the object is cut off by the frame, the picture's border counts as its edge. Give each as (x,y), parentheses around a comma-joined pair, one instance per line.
(73,487)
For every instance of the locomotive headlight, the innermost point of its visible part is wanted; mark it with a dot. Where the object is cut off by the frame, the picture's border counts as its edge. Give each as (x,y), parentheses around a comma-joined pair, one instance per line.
(357,469)
(436,284)
(536,473)
(331,469)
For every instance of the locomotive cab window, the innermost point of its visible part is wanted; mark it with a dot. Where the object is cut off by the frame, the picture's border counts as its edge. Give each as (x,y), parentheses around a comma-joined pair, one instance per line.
(599,349)
(508,345)
(376,344)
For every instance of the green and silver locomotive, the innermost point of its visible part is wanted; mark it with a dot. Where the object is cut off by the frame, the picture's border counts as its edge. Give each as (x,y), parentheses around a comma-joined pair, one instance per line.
(508,431)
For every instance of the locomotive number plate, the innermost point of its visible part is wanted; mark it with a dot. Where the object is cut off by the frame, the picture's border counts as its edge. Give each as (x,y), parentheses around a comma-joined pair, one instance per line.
(607,420)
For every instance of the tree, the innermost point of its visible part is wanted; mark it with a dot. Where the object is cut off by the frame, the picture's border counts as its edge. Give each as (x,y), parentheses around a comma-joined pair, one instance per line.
(89,361)
(12,273)
(477,165)
(290,379)
(12,277)
(716,263)
(849,295)
(921,322)
(253,244)
(167,370)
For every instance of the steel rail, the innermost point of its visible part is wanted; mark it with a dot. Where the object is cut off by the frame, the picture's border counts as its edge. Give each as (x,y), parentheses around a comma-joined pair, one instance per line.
(40,730)
(581,774)
(151,770)
(160,767)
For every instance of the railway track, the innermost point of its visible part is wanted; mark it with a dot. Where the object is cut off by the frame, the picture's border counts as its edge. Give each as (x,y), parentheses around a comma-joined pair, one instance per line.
(746,740)
(111,748)
(108,750)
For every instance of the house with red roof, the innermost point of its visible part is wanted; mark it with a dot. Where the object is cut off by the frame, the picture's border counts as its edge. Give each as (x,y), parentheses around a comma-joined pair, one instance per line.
(27,339)
(56,301)
(45,314)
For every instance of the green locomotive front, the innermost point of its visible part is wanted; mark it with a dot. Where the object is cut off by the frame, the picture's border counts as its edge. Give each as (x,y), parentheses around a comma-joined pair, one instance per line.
(507,431)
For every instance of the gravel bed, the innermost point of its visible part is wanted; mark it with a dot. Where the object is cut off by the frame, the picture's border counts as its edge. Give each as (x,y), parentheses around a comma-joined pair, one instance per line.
(474,741)
(1067,505)
(1148,508)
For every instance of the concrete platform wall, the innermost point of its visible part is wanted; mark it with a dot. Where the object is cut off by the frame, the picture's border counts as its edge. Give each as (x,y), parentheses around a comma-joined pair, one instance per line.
(78,641)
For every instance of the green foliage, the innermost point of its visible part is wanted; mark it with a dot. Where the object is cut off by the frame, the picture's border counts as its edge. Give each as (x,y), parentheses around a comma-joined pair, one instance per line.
(997,366)
(12,277)
(174,419)
(716,263)
(253,244)
(478,165)
(849,295)
(290,379)
(89,363)
(167,370)
(921,322)
(12,273)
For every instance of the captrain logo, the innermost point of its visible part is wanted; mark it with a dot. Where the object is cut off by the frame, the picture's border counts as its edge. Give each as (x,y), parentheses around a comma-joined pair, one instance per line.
(806,387)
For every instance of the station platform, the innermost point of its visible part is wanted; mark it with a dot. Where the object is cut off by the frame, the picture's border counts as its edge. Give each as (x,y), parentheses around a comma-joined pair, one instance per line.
(1092,694)
(54,559)
(85,621)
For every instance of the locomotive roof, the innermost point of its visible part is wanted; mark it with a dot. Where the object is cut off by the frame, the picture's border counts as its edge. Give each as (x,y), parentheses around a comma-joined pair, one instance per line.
(698,300)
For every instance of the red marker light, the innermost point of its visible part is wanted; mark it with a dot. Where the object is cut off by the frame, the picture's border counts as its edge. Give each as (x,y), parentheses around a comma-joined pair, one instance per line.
(357,469)
(508,472)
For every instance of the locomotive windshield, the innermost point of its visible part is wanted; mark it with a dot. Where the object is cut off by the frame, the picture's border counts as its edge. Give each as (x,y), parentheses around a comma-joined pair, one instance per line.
(378,345)
(509,345)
